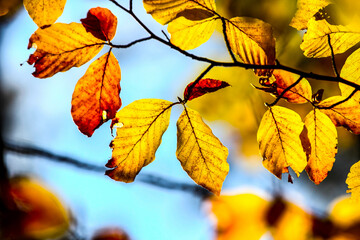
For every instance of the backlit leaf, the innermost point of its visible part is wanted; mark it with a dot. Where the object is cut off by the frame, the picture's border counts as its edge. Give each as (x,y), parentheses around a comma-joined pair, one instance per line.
(164,11)
(301,93)
(44,215)
(346,114)
(188,34)
(61,47)
(202,87)
(279,141)
(95,93)
(322,136)
(44,13)
(306,10)
(239,216)
(200,153)
(351,72)
(353,181)
(140,126)
(101,23)
(315,43)
(252,40)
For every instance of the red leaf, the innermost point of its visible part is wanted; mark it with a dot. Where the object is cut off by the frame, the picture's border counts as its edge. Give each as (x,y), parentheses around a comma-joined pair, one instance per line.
(202,87)
(101,23)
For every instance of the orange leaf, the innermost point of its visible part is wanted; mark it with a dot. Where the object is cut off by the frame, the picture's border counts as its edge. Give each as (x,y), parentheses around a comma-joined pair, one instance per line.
(346,114)
(301,93)
(202,87)
(96,96)
(101,23)
(61,47)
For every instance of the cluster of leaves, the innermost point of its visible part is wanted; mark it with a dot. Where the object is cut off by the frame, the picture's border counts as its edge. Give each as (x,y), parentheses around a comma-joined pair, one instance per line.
(285,140)
(250,216)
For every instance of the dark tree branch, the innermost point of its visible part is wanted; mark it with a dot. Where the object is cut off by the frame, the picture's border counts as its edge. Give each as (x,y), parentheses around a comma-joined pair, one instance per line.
(129,44)
(333,57)
(283,92)
(340,102)
(223,20)
(32,151)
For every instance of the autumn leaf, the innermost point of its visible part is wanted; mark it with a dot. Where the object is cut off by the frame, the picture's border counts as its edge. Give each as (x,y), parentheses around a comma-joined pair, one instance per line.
(316,43)
(240,216)
(188,34)
(279,141)
(96,96)
(306,10)
(168,10)
(322,136)
(350,71)
(200,153)
(301,93)
(140,126)
(353,182)
(346,114)
(44,216)
(44,13)
(61,47)
(101,23)
(252,40)
(202,87)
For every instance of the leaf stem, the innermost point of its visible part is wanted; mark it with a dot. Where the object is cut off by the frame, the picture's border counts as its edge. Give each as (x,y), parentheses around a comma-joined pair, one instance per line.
(283,92)
(223,20)
(338,103)
(333,57)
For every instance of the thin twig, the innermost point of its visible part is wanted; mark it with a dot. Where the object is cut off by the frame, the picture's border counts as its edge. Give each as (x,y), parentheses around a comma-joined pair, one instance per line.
(283,92)
(33,151)
(223,20)
(129,44)
(333,57)
(338,103)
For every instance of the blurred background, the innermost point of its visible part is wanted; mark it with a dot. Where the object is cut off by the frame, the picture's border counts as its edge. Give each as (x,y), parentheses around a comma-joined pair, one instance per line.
(36,113)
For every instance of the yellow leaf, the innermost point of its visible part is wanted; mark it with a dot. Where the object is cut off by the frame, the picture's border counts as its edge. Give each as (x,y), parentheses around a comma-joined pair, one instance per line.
(306,10)
(164,11)
(239,216)
(187,34)
(44,13)
(315,43)
(353,182)
(140,126)
(301,93)
(346,114)
(279,141)
(44,216)
(322,136)
(200,153)
(96,96)
(252,40)
(351,72)
(61,47)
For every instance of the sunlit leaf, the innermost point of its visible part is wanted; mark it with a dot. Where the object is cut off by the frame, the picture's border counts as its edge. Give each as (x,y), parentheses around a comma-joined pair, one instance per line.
(188,34)
(279,141)
(301,93)
(306,10)
(96,93)
(164,11)
(200,153)
(353,182)
(139,128)
(101,23)
(322,136)
(315,43)
(61,47)
(44,13)
(44,215)
(202,87)
(351,72)
(346,114)
(252,40)
(239,216)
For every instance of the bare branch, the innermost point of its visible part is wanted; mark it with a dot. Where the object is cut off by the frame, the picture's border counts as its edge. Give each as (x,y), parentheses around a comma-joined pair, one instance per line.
(130,44)
(33,151)
(333,57)
(283,92)
(227,40)
(338,103)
